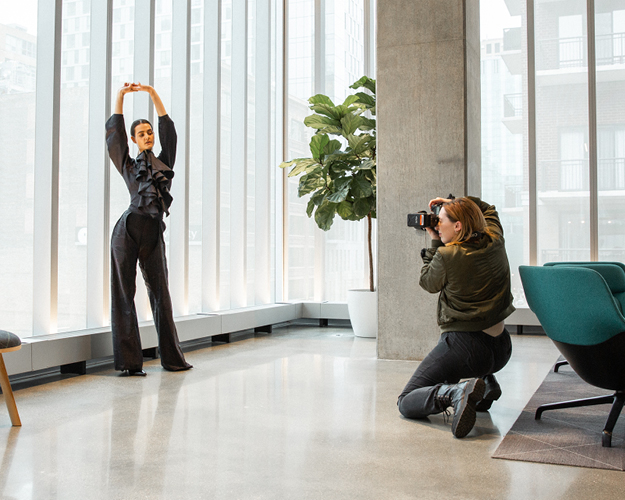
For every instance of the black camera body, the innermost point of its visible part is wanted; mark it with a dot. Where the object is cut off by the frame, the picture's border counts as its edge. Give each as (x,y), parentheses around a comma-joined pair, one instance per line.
(422,220)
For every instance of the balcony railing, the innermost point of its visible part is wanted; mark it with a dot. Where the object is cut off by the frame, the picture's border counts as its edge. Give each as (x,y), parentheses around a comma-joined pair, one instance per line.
(572,175)
(558,53)
(512,105)
(610,49)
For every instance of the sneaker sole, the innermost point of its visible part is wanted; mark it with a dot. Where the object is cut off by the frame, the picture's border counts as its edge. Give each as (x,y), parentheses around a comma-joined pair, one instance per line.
(465,419)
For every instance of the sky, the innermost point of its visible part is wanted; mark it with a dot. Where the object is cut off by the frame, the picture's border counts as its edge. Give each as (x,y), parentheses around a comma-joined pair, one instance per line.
(22,12)
(493,16)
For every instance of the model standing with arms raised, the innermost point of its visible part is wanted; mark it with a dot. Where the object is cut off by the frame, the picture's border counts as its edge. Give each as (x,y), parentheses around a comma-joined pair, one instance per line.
(138,235)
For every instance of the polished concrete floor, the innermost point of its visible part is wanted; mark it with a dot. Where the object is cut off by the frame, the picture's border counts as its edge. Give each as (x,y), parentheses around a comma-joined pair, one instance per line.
(303,413)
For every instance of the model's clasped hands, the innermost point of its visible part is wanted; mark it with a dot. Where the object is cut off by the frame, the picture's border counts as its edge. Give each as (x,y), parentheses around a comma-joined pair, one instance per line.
(135,87)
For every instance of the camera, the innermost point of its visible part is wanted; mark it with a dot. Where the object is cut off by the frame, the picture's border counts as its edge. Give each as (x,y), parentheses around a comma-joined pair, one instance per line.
(422,219)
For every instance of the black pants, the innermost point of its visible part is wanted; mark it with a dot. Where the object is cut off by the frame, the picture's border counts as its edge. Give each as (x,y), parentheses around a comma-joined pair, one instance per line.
(457,355)
(137,237)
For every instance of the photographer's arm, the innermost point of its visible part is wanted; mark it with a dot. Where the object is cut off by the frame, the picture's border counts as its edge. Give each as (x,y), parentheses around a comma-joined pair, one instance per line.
(490,214)
(433,273)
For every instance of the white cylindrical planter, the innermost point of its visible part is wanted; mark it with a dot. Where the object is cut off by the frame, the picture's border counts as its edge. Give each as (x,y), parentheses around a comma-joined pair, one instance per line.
(363,312)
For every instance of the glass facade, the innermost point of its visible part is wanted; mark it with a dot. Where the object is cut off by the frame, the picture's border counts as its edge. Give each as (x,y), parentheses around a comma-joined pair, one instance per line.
(572,148)
(237,74)
(218,67)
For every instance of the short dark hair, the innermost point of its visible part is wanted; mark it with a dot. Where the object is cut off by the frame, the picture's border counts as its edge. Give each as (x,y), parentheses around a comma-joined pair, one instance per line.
(140,121)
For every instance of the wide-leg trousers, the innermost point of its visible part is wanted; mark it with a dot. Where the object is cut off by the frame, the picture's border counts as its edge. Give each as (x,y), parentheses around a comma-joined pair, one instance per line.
(140,238)
(458,355)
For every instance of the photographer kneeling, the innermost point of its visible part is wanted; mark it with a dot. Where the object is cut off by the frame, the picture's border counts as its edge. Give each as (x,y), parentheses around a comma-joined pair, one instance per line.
(468,265)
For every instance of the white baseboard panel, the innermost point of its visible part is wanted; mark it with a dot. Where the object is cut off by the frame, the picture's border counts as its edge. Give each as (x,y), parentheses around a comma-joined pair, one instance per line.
(523,316)
(38,353)
(324,310)
(46,351)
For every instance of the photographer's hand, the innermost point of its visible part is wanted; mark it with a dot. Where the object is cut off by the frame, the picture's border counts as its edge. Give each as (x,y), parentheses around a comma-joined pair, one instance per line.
(437,201)
(433,233)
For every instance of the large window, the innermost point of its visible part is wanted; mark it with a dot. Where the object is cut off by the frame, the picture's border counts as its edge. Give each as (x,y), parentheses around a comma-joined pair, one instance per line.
(504,122)
(73,177)
(610,47)
(552,152)
(322,265)
(220,69)
(18,42)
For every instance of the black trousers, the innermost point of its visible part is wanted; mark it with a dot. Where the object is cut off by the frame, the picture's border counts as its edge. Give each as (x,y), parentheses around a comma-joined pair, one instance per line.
(457,355)
(137,237)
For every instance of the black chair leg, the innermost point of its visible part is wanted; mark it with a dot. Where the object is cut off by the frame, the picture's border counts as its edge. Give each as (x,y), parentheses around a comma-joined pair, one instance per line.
(598,400)
(606,437)
(559,364)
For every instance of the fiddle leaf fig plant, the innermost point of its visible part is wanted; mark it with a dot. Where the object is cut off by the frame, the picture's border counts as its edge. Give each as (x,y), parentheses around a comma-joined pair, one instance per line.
(340,176)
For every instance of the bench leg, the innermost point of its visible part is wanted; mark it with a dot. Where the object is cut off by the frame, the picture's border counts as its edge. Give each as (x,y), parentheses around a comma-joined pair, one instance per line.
(8,394)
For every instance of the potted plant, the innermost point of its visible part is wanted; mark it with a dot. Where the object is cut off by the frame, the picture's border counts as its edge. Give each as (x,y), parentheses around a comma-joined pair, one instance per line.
(340,176)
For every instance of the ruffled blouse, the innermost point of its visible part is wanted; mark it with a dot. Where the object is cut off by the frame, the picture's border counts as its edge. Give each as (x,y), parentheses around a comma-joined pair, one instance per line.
(148,177)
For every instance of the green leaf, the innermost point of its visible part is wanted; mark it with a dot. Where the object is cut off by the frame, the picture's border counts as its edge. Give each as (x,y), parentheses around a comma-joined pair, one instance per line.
(327,110)
(341,111)
(304,165)
(365,82)
(345,211)
(350,123)
(321,99)
(320,122)
(367,165)
(362,207)
(351,99)
(332,147)
(341,188)
(319,196)
(365,99)
(340,167)
(310,207)
(318,144)
(286,164)
(361,187)
(359,143)
(367,124)
(325,215)
(309,183)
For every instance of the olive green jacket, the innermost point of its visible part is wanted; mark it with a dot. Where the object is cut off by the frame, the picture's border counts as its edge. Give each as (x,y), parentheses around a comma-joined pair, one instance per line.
(473,278)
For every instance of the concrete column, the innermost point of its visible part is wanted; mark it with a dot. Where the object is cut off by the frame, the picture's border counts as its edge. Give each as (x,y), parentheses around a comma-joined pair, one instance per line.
(428,88)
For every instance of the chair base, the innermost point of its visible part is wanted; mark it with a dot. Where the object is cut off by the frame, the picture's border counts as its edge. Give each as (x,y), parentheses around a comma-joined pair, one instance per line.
(559,364)
(616,400)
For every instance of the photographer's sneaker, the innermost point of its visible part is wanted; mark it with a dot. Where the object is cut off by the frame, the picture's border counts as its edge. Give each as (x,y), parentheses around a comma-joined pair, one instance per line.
(462,397)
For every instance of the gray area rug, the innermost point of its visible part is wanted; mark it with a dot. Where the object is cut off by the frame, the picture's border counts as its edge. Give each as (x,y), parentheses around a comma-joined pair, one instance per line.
(565,437)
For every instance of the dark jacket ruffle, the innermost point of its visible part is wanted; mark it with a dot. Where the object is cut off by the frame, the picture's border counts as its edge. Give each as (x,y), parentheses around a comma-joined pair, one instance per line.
(154,178)
(148,177)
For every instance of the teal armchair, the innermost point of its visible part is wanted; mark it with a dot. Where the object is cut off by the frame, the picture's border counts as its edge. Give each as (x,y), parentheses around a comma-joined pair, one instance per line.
(580,313)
